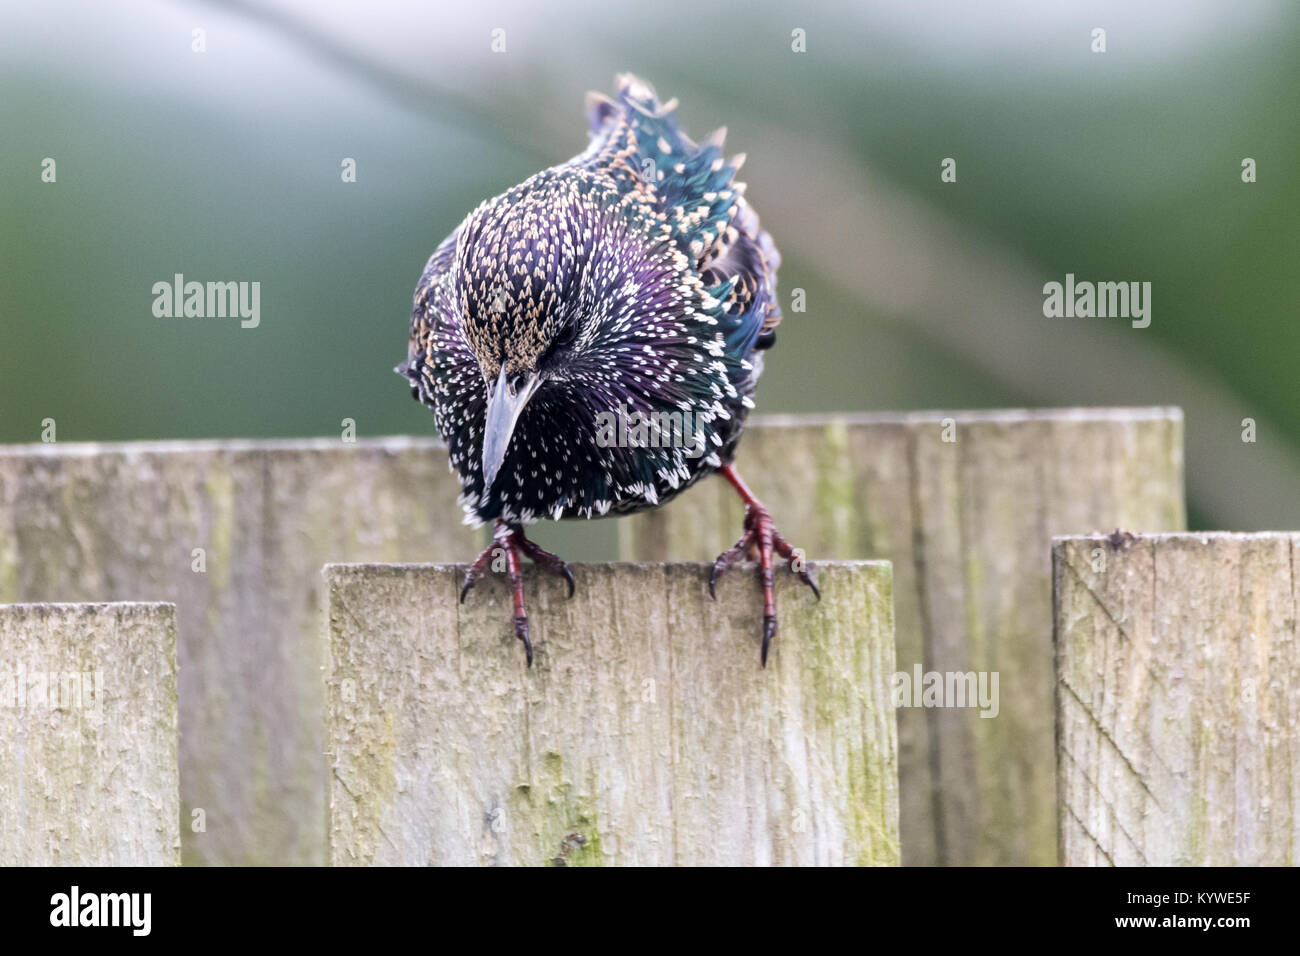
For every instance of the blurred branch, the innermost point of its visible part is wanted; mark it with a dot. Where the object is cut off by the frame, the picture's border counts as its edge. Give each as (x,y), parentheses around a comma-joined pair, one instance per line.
(983,302)
(409,92)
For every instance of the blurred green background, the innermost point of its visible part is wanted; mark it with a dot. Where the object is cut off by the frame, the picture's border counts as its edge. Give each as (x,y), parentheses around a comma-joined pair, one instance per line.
(225,165)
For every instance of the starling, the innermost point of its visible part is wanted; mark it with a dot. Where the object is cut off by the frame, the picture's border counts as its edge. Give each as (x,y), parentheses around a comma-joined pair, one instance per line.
(589,341)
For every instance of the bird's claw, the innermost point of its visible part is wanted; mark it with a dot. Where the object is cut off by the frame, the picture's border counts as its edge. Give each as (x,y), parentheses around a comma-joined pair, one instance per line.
(727,558)
(807,579)
(521,632)
(769,632)
(476,570)
(762,537)
(547,561)
(509,541)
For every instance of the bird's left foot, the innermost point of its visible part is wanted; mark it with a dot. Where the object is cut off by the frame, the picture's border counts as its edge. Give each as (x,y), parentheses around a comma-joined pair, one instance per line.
(508,541)
(760,536)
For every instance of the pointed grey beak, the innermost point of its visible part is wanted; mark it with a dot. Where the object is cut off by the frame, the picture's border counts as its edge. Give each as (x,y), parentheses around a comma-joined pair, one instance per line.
(504,406)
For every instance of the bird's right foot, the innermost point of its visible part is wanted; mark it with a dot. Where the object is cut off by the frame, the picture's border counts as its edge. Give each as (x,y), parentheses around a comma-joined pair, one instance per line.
(762,538)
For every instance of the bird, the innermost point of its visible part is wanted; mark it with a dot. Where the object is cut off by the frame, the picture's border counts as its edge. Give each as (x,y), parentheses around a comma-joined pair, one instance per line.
(589,341)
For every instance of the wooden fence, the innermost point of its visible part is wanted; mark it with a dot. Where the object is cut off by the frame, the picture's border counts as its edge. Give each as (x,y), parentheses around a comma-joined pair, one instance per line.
(964,504)
(647,732)
(1178,699)
(234,534)
(88,771)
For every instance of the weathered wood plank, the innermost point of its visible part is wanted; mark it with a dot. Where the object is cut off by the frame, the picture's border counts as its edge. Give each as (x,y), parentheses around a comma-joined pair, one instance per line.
(122,522)
(88,735)
(646,732)
(967,523)
(1178,699)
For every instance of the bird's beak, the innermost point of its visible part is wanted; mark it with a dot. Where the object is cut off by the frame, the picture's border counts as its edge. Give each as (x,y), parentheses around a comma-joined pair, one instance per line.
(504,406)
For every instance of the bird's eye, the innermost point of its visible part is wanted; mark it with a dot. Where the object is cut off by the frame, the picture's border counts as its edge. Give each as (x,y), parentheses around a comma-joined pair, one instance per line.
(563,339)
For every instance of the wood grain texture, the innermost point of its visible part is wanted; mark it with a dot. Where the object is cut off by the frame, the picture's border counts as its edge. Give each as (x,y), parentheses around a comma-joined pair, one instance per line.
(121,521)
(967,524)
(646,732)
(1178,699)
(88,735)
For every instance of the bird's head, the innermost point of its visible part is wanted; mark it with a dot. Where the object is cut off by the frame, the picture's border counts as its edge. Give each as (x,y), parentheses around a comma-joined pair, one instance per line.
(526,302)
(518,350)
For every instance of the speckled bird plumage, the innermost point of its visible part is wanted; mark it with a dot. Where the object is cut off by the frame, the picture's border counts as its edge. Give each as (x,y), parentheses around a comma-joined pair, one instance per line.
(634,273)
